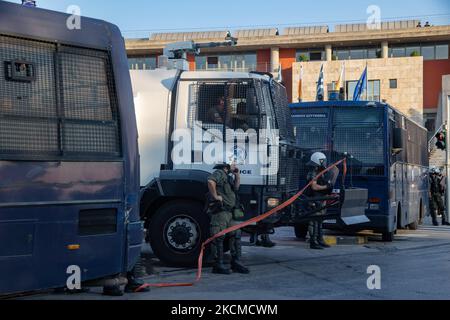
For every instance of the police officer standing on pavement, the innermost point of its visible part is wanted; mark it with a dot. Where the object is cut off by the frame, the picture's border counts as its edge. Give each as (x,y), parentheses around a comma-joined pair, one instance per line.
(319,188)
(223,186)
(437,191)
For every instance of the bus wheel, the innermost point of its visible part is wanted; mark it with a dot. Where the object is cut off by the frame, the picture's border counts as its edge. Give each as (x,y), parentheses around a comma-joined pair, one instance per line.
(177,231)
(301,230)
(388,236)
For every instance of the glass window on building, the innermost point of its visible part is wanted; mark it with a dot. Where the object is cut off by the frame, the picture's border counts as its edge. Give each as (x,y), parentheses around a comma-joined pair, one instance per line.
(397,52)
(342,54)
(442,52)
(412,51)
(302,56)
(227,62)
(373,93)
(374,90)
(393,84)
(356,54)
(142,63)
(200,62)
(310,55)
(213,62)
(428,52)
(373,53)
(430,123)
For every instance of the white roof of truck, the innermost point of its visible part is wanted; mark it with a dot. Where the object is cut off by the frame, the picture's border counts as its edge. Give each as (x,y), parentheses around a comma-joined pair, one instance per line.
(220,75)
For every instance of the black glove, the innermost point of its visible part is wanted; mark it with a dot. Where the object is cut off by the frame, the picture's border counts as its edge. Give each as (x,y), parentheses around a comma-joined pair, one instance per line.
(330,187)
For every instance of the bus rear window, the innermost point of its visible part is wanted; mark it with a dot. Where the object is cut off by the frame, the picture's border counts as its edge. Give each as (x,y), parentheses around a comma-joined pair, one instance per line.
(58,104)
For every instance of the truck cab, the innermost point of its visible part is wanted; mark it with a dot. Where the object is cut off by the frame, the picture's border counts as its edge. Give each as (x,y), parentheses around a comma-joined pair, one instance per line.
(190,121)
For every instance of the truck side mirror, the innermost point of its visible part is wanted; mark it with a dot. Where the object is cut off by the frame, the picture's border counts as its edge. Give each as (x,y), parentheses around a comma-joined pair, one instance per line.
(399,138)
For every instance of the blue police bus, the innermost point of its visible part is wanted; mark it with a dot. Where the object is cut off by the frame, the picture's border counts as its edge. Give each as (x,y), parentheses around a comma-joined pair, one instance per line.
(69,163)
(387,154)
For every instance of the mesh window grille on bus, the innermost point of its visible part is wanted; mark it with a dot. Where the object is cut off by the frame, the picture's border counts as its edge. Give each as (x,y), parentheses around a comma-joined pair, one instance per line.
(45,117)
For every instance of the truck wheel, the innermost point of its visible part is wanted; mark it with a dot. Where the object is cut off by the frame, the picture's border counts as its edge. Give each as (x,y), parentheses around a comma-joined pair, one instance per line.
(389,236)
(301,230)
(177,231)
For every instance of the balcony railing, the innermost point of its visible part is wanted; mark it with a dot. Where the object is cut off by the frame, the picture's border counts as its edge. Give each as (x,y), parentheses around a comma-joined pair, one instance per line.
(260,67)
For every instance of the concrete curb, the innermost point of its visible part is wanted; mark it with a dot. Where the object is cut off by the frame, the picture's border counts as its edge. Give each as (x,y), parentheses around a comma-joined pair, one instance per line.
(346,240)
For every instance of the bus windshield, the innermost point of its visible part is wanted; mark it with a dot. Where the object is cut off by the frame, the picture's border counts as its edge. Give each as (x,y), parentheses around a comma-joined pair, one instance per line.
(360,132)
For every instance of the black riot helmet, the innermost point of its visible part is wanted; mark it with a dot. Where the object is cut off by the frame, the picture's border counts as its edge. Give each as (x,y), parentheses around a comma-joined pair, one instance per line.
(222,166)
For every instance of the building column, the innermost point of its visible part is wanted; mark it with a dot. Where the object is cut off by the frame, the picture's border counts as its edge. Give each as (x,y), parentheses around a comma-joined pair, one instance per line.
(328,52)
(274,59)
(384,50)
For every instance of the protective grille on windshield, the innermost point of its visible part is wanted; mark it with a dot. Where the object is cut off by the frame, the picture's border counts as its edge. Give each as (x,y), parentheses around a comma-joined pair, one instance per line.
(28,115)
(223,105)
(89,103)
(282,111)
(360,133)
(56,103)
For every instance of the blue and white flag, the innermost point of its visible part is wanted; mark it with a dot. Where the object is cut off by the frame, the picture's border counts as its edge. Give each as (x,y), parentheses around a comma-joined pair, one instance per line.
(320,86)
(361,86)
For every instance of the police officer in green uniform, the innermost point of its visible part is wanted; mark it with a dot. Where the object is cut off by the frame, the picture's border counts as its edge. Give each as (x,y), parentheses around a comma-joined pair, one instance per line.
(319,188)
(437,190)
(223,185)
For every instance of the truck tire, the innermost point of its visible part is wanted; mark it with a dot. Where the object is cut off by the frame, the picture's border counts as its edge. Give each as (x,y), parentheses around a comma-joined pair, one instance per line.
(301,230)
(388,236)
(177,231)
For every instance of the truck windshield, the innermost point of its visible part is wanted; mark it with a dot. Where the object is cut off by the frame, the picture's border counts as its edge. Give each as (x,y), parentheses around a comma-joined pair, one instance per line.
(224,105)
(360,132)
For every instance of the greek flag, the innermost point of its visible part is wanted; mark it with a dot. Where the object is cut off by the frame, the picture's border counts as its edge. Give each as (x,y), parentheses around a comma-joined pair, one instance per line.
(361,86)
(320,86)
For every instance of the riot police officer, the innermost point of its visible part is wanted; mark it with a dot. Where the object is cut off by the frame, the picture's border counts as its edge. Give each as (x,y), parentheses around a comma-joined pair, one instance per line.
(319,188)
(437,190)
(223,186)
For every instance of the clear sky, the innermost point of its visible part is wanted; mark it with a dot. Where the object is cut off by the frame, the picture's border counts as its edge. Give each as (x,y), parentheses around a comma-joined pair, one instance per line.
(138,18)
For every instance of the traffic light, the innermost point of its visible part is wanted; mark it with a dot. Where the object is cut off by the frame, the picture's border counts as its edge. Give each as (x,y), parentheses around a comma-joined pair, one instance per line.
(441,139)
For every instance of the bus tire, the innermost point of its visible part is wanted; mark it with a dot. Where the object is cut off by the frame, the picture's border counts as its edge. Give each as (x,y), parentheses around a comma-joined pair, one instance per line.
(301,230)
(388,236)
(177,231)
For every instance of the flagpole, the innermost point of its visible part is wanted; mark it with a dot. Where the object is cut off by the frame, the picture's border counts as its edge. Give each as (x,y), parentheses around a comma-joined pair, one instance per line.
(367,81)
(345,82)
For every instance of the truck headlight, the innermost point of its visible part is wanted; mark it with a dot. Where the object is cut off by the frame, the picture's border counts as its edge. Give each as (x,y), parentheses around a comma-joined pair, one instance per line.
(273,202)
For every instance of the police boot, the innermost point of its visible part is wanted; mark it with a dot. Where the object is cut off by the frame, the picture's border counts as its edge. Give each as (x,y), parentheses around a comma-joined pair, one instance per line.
(444,220)
(434,217)
(219,266)
(236,265)
(313,232)
(134,284)
(266,242)
(133,276)
(321,240)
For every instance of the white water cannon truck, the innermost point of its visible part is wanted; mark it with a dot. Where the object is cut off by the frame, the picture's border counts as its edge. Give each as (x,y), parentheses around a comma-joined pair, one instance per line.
(189,121)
